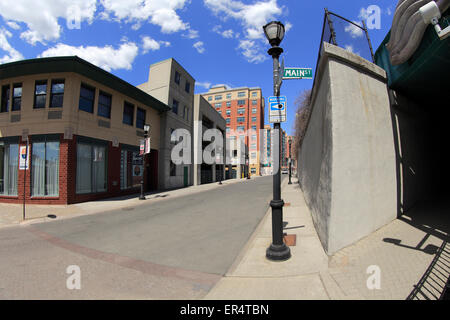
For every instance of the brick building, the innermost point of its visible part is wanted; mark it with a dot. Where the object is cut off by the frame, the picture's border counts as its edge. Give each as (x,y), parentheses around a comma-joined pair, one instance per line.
(83,127)
(243,111)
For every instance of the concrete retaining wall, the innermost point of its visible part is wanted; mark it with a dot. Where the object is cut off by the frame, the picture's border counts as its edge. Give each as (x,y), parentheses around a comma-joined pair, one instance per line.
(347,163)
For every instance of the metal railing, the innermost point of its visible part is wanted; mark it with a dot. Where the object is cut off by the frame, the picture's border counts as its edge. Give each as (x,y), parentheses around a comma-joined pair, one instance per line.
(346,34)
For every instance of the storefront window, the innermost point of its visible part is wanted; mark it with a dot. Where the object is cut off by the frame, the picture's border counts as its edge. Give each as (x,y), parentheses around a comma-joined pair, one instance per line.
(9,161)
(45,168)
(91,168)
(131,169)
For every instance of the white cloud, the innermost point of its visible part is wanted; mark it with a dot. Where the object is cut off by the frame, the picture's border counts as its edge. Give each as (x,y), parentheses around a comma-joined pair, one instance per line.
(12,54)
(252,51)
(199,45)
(228,34)
(350,48)
(205,85)
(159,12)
(192,34)
(13,25)
(41,17)
(252,17)
(149,44)
(106,57)
(353,30)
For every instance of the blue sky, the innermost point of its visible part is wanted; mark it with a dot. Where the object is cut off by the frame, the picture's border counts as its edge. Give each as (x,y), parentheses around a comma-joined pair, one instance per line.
(216,41)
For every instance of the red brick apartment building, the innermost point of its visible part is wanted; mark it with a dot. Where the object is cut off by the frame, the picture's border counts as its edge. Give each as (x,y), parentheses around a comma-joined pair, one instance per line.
(243,111)
(83,126)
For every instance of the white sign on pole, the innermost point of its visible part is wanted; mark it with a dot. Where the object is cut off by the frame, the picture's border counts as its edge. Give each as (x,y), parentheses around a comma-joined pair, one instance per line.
(24,160)
(147,146)
(277,109)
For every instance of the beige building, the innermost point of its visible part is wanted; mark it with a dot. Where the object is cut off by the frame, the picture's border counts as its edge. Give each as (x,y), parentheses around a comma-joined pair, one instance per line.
(205,117)
(84,126)
(171,84)
(243,111)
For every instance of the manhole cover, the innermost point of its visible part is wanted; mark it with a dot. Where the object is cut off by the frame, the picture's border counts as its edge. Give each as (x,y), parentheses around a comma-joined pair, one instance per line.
(290,240)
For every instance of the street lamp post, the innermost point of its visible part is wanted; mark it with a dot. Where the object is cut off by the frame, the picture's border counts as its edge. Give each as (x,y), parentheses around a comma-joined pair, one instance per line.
(146,130)
(290,161)
(278,250)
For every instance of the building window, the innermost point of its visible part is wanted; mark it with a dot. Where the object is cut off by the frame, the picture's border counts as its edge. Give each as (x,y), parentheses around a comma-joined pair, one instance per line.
(228,103)
(254,128)
(253,155)
(131,169)
(241,110)
(241,94)
(210,98)
(140,118)
(91,168)
(87,95)
(187,87)
(5,98)
(128,113)
(9,161)
(227,121)
(17,97)
(228,130)
(254,110)
(218,105)
(241,128)
(228,95)
(186,113)
(253,146)
(104,105)
(228,112)
(173,169)
(241,102)
(253,170)
(40,94)
(177,77)
(57,94)
(254,102)
(175,106)
(218,98)
(254,137)
(45,169)
(254,94)
(241,119)
(253,119)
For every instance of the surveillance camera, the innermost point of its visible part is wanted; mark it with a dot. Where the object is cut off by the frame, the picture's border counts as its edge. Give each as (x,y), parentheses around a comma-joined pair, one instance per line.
(430,12)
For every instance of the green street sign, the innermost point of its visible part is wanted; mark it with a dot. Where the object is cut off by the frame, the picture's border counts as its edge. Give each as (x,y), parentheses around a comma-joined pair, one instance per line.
(297,73)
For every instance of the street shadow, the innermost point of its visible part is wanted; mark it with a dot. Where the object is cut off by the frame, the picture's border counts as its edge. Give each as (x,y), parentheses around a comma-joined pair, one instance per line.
(435,282)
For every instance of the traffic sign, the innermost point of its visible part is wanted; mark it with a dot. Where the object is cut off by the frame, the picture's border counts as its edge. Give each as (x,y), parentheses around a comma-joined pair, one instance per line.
(297,73)
(277,109)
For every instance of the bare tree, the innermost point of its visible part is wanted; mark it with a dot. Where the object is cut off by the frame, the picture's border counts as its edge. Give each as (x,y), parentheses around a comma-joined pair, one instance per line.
(303,104)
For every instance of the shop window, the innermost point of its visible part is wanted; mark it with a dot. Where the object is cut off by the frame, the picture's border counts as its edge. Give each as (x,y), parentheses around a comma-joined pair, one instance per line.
(131,169)
(91,168)
(9,161)
(45,168)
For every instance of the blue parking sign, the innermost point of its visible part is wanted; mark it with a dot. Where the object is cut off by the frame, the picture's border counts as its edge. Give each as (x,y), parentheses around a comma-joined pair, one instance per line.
(277,109)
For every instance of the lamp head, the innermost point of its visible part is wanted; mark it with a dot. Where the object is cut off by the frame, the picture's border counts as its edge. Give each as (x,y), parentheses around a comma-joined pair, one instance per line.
(274,32)
(146,128)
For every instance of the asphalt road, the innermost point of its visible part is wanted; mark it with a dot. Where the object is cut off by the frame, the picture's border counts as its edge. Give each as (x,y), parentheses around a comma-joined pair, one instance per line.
(170,249)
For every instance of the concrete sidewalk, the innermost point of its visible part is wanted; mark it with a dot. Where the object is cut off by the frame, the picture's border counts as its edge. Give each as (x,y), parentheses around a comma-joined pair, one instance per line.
(311,274)
(12,214)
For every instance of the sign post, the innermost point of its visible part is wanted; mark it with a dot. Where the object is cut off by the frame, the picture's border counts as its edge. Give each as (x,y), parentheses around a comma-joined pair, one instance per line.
(297,73)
